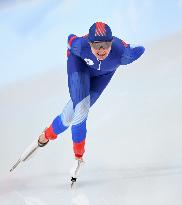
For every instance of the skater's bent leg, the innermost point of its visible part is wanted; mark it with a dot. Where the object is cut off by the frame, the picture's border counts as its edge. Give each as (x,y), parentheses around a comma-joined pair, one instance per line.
(79,88)
(97,85)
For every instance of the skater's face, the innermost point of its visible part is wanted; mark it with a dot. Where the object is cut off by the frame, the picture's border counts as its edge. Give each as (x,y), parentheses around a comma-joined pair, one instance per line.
(101,49)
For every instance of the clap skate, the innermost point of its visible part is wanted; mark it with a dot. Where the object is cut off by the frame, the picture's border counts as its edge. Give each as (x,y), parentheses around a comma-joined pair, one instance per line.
(78,164)
(30,151)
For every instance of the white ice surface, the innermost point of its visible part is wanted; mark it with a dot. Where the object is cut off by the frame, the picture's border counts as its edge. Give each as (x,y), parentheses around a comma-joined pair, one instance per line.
(134,141)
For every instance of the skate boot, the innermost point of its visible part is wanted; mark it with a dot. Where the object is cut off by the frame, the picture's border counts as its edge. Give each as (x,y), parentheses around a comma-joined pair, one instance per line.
(75,170)
(30,151)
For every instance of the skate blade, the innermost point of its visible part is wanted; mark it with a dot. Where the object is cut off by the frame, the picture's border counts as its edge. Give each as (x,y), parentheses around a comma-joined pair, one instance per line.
(29,155)
(72,184)
(15,165)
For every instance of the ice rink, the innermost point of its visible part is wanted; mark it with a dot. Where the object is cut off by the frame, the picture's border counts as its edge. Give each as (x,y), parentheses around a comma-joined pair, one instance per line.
(134,141)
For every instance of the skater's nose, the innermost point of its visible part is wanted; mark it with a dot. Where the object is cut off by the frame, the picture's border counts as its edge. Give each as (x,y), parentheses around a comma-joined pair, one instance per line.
(101,48)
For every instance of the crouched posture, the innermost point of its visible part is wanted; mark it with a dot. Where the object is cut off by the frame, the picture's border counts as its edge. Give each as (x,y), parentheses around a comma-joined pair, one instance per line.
(92,61)
(84,91)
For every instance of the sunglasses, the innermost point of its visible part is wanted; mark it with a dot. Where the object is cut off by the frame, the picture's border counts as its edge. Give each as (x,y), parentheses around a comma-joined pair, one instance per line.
(98,45)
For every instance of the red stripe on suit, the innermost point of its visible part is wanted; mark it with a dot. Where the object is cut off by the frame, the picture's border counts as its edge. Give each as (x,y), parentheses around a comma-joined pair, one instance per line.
(71,40)
(100,29)
(79,148)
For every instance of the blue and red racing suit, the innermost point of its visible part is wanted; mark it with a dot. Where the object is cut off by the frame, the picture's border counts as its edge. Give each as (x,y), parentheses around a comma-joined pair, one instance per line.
(87,78)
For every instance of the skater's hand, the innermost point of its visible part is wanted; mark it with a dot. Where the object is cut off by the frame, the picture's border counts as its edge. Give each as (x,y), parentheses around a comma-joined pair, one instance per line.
(131,54)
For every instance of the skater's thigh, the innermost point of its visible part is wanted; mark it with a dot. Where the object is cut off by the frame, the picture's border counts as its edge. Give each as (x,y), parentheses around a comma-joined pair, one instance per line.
(78,79)
(97,86)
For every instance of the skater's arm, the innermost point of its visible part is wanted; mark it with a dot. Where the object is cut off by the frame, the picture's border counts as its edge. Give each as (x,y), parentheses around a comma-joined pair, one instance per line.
(74,44)
(130,53)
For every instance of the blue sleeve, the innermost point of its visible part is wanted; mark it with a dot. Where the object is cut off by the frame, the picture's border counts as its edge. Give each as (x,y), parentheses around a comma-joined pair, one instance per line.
(131,54)
(74,44)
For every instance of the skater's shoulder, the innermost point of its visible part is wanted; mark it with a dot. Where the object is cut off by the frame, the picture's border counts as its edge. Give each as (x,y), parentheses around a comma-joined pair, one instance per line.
(73,40)
(119,43)
(74,44)
(77,43)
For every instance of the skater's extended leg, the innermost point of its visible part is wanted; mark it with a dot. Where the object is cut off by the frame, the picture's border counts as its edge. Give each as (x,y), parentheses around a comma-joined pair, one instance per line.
(59,124)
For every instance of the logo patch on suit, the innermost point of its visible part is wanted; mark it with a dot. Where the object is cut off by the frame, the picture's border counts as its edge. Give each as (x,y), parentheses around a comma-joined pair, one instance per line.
(88,61)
